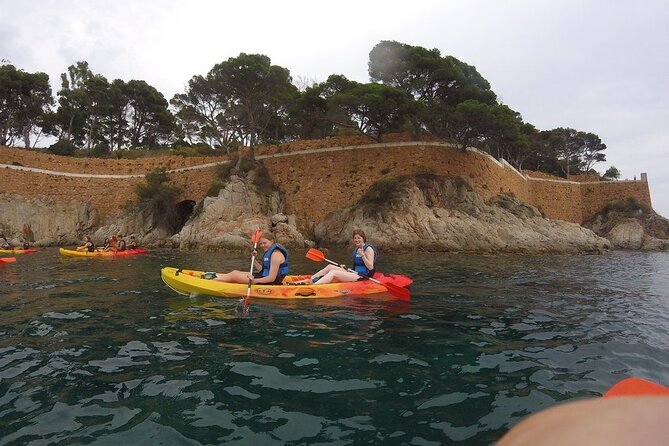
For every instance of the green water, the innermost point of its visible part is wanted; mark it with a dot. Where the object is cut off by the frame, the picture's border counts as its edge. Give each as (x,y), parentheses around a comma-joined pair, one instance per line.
(99,351)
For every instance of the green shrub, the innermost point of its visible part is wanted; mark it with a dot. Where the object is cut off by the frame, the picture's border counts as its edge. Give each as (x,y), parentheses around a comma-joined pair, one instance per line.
(381,191)
(159,199)
(62,147)
(214,189)
(628,207)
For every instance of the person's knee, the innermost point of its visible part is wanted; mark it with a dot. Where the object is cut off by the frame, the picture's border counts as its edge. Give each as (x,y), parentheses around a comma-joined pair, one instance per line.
(594,422)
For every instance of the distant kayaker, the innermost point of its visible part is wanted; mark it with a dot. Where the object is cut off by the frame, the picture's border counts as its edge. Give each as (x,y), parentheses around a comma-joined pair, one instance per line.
(120,244)
(4,244)
(364,261)
(106,246)
(132,243)
(271,271)
(87,246)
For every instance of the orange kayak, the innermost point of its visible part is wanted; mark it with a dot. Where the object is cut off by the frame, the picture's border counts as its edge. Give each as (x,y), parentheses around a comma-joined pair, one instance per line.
(127,252)
(187,282)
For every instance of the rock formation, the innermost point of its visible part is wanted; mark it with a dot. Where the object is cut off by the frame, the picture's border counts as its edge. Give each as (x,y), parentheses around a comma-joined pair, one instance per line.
(433,213)
(630,225)
(51,223)
(225,221)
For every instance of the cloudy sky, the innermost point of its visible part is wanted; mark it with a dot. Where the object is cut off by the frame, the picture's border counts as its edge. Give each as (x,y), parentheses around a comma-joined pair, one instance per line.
(600,66)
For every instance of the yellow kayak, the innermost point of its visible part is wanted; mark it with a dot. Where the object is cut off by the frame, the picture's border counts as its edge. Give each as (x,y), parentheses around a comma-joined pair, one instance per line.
(18,251)
(127,252)
(187,282)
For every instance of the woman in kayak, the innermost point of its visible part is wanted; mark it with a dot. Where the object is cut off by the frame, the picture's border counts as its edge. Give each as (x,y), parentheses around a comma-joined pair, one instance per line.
(364,261)
(271,271)
(87,246)
(106,246)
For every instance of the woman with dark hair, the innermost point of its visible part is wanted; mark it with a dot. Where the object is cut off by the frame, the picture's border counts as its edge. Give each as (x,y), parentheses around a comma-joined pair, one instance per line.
(271,271)
(364,263)
(87,246)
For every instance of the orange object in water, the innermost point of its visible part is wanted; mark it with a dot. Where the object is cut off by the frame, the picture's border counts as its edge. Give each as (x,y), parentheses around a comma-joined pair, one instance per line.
(636,387)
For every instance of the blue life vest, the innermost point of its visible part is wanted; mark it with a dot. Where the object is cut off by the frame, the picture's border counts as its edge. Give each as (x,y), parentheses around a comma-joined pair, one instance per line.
(359,265)
(267,260)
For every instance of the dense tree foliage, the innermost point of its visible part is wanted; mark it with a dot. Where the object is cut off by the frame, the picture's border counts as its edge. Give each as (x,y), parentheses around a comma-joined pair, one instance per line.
(25,99)
(246,100)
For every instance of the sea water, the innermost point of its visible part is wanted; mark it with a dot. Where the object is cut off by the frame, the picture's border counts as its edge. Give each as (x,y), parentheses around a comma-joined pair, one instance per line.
(100,351)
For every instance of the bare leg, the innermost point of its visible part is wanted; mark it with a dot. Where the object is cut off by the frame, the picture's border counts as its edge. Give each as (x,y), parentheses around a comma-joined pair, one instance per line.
(326,270)
(338,275)
(235,276)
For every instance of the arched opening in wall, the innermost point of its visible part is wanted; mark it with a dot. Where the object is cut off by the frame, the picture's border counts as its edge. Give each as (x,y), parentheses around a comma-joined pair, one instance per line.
(184,211)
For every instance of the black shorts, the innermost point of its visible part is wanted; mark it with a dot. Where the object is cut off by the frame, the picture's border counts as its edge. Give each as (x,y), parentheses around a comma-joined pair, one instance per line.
(277,281)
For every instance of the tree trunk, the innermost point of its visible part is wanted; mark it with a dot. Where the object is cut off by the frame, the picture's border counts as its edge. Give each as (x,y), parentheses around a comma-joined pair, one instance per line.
(69,127)
(26,137)
(240,154)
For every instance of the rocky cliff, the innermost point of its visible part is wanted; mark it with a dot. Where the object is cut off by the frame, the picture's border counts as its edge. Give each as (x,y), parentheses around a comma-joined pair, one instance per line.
(414,212)
(225,221)
(629,224)
(434,213)
(48,223)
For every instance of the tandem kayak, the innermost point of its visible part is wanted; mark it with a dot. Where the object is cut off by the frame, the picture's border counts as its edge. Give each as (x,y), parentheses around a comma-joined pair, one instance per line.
(127,252)
(187,282)
(18,251)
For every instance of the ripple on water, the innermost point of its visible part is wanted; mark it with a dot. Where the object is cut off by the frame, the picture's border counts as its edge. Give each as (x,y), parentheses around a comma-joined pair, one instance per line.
(102,352)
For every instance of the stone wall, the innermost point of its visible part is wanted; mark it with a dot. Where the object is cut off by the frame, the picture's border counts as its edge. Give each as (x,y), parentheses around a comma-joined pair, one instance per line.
(316,177)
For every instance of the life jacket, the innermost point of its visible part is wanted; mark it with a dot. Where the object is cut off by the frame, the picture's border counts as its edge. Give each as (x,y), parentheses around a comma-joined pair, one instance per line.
(121,245)
(91,247)
(267,260)
(359,265)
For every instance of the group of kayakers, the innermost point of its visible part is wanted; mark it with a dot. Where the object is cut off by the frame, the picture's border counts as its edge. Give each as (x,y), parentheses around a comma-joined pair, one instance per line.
(274,266)
(115,244)
(5,244)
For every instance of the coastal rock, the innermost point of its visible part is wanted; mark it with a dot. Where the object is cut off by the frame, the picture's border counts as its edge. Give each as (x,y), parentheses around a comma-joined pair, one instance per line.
(50,223)
(227,220)
(630,225)
(433,213)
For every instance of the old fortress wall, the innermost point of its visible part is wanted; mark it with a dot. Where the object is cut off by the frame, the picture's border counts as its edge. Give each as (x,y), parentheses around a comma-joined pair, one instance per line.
(316,176)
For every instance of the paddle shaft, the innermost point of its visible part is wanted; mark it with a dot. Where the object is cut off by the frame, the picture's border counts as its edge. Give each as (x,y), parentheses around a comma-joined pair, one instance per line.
(354,271)
(255,239)
(253,261)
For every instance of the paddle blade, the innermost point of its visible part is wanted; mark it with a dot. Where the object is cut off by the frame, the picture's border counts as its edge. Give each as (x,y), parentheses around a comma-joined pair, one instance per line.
(255,238)
(398,291)
(7,259)
(315,255)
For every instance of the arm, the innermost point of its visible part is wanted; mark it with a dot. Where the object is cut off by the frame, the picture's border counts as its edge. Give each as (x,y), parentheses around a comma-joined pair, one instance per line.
(276,261)
(368,258)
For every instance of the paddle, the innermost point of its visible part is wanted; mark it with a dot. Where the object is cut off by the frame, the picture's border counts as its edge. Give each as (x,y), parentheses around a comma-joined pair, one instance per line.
(254,239)
(7,260)
(397,291)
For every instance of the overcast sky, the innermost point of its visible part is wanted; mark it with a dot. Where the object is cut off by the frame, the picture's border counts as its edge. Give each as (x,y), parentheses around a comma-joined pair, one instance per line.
(600,66)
